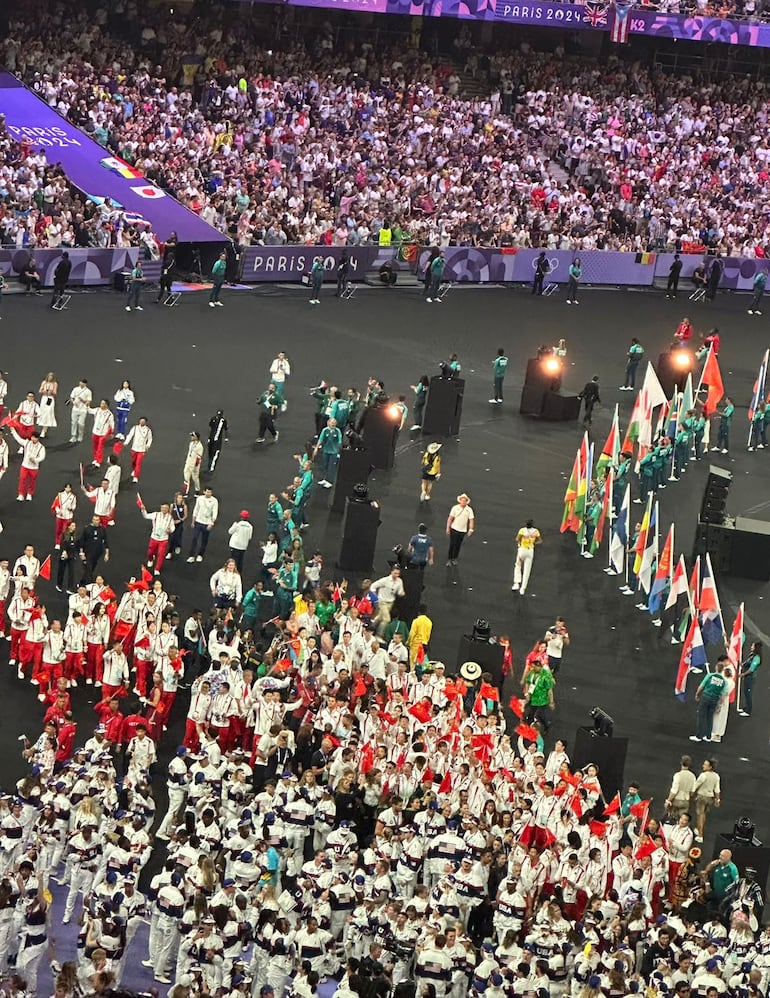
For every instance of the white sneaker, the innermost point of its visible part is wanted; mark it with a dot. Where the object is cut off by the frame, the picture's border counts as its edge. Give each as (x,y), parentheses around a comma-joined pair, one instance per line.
(139,308)
(724,450)
(128,309)
(19,498)
(759,447)
(757,312)
(750,311)
(29,497)
(191,559)
(751,451)
(219,304)
(199,557)
(212,304)
(429,299)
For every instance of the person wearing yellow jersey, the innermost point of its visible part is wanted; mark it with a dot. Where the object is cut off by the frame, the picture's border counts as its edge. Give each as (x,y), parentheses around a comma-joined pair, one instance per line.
(419,633)
(386,234)
(526,540)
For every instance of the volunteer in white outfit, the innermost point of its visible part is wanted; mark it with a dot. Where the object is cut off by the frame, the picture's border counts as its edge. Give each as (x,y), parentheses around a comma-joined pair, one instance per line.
(280,370)
(526,541)
(104,500)
(162,529)
(63,508)
(192,464)
(33,456)
(103,427)
(140,441)
(80,399)
(46,420)
(204,517)
(226,586)
(240,537)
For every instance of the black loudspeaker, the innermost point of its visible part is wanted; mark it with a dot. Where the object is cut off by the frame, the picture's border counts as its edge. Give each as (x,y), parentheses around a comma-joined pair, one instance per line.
(607,754)
(119,281)
(407,606)
(717,541)
(380,432)
(672,372)
(539,376)
(355,466)
(751,549)
(488,654)
(714,504)
(359,536)
(443,407)
(532,401)
(746,855)
(561,408)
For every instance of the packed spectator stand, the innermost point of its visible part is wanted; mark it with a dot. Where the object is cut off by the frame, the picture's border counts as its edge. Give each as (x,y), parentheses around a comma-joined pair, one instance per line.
(277,136)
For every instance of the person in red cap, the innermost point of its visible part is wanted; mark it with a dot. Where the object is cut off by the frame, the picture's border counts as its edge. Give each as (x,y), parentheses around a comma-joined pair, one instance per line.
(240,538)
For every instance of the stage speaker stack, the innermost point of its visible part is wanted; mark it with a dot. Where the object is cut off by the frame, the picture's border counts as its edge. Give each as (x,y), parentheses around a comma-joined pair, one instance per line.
(607,754)
(542,396)
(408,605)
(359,536)
(740,548)
(443,407)
(355,466)
(714,505)
(489,655)
(380,433)
(716,540)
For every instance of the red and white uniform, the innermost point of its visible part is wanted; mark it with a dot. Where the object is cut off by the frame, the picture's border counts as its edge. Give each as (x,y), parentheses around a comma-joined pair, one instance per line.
(63,507)
(53,659)
(171,669)
(104,504)
(140,439)
(32,644)
(145,653)
(115,674)
(97,636)
(30,565)
(33,457)
(26,417)
(74,649)
(103,428)
(19,613)
(197,714)
(5,588)
(162,529)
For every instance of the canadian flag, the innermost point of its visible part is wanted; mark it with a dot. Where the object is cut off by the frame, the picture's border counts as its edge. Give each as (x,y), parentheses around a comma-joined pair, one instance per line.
(149,191)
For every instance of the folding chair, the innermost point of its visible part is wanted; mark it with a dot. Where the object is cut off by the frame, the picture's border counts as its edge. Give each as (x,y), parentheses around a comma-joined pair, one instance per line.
(62,303)
(349,291)
(549,289)
(444,290)
(698,295)
(172,298)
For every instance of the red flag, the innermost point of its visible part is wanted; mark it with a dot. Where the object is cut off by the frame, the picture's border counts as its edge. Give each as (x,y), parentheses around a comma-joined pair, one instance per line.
(712,378)
(139,501)
(639,808)
(527,731)
(359,690)
(422,711)
(367,758)
(83,620)
(445,786)
(489,693)
(614,805)
(647,848)
(598,828)
(576,805)
(427,776)
(482,747)
(146,575)
(45,569)
(516,706)
(336,595)
(143,642)
(735,647)
(420,656)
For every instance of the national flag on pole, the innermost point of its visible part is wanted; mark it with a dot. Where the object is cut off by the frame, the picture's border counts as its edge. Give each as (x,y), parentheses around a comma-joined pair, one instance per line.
(735,646)
(614,805)
(673,414)
(581,502)
(598,537)
(663,577)
(611,451)
(712,379)
(758,394)
(569,520)
(619,538)
(693,657)
(147,576)
(45,569)
(621,21)
(652,388)
(709,611)
(641,540)
(688,399)
(678,583)
(694,586)
(650,552)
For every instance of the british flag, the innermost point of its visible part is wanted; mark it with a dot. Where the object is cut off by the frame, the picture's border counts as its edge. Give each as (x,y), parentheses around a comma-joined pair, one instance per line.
(595,13)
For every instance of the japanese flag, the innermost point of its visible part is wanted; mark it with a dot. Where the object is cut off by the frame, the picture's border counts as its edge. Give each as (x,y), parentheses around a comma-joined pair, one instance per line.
(149,191)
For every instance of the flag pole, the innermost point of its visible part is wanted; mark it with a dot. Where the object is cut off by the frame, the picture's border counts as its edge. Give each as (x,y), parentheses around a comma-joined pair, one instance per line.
(625,588)
(672,477)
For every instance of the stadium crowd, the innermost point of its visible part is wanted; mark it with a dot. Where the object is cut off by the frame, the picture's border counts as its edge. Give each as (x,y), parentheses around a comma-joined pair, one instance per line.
(275,139)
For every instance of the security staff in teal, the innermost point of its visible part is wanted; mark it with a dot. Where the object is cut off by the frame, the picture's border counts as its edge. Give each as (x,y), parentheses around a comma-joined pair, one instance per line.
(285,587)
(689,423)
(340,409)
(436,276)
(218,272)
(269,404)
(329,446)
(748,674)
(135,288)
(661,460)
(273,515)
(322,395)
(317,279)
(499,365)
(593,512)
(681,451)
(575,273)
(725,422)
(647,474)
(758,428)
(699,428)
(633,359)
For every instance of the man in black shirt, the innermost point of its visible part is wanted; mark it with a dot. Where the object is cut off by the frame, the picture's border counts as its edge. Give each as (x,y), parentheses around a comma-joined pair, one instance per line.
(673,277)
(542,266)
(29,277)
(60,277)
(92,544)
(590,396)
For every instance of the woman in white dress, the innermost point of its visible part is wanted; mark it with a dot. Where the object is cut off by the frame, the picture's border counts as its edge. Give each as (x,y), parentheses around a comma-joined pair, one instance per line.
(46,419)
(719,723)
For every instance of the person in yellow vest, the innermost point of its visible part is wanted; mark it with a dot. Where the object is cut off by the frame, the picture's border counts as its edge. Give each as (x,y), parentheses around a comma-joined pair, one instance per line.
(386,234)
(419,633)
(526,540)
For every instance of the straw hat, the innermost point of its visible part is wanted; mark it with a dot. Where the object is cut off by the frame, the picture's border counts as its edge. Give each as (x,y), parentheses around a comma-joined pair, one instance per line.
(470,671)
(433,448)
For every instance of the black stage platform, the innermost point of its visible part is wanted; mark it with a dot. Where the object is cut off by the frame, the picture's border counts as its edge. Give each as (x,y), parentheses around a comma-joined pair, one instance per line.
(186,362)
